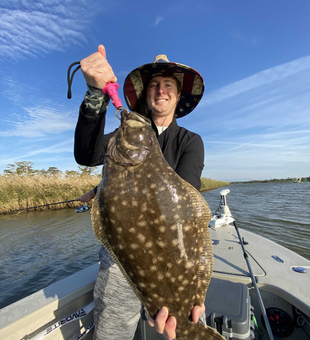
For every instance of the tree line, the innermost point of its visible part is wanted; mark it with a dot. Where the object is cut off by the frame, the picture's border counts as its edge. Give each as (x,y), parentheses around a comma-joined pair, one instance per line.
(25,168)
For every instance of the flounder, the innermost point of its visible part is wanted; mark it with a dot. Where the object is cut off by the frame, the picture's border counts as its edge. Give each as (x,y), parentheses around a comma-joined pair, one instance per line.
(155,226)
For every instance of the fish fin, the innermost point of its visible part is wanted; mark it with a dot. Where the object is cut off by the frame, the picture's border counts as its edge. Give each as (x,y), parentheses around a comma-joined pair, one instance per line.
(126,276)
(95,213)
(99,231)
(204,243)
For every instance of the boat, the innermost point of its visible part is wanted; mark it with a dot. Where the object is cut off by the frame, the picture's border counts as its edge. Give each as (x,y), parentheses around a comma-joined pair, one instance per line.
(258,290)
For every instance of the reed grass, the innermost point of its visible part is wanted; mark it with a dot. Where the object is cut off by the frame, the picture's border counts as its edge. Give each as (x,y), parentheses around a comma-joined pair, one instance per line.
(29,191)
(210,184)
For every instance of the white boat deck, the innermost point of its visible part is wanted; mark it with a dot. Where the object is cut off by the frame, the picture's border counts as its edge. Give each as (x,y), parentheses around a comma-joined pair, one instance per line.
(271,275)
(38,312)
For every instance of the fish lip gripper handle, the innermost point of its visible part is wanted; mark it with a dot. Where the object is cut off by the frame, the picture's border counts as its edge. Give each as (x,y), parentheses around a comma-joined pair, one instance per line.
(111,90)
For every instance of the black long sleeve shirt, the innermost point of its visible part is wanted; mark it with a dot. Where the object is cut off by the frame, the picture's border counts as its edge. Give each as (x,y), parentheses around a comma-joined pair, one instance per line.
(182,149)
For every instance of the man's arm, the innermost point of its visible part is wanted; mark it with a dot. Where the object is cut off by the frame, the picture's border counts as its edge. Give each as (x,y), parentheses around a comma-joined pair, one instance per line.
(89,141)
(88,138)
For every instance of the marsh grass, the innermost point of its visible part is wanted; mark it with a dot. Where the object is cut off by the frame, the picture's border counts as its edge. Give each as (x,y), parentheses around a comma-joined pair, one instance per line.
(210,184)
(30,191)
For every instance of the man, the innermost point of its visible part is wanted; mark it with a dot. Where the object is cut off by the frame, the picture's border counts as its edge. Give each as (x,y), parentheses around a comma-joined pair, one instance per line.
(162,91)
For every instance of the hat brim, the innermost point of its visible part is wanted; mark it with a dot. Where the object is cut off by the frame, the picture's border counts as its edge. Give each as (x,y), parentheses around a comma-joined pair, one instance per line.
(191,83)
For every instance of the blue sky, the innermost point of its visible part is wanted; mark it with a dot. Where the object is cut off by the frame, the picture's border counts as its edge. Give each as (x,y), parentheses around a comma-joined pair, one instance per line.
(254,56)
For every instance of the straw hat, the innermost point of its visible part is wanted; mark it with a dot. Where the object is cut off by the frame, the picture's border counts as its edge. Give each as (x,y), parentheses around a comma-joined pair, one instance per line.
(191,84)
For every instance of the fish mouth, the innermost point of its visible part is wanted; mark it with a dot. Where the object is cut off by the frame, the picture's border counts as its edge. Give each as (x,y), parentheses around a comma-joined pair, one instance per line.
(126,147)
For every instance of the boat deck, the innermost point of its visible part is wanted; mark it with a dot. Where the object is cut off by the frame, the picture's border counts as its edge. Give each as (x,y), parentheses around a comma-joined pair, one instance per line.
(271,275)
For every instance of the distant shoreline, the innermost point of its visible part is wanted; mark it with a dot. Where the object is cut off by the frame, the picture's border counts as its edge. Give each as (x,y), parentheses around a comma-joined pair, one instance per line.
(275,180)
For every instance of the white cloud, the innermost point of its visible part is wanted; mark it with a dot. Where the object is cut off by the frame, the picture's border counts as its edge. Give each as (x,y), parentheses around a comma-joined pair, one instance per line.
(258,156)
(29,28)
(39,121)
(258,127)
(238,36)
(58,148)
(257,80)
(158,19)
(274,100)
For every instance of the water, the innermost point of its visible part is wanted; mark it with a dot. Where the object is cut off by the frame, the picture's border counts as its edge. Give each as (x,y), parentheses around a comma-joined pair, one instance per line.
(39,248)
(277,211)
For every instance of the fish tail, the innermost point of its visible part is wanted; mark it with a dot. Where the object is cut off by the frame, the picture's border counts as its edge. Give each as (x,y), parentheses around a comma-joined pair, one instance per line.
(196,331)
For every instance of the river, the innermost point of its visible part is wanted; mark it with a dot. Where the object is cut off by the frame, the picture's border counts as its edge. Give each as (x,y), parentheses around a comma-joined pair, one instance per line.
(39,248)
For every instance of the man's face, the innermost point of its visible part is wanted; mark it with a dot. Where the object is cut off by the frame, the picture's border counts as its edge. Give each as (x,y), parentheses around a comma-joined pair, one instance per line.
(162,96)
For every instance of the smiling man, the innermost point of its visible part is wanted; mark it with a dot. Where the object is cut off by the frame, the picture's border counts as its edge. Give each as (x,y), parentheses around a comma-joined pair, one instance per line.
(163,94)
(162,91)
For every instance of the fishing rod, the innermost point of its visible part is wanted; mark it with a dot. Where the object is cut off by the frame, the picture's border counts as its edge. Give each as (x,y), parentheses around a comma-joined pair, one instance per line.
(44,205)
(260,300)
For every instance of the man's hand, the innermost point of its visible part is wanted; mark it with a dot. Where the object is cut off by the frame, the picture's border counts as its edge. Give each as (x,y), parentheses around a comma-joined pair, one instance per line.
(88,196)
(196,312)
(167,326)
(96,69)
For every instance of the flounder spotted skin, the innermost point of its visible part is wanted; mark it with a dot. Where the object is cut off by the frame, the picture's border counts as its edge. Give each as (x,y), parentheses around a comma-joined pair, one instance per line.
(155,226)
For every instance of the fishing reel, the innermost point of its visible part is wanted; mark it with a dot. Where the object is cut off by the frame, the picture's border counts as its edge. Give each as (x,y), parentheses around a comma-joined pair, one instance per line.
(82,209)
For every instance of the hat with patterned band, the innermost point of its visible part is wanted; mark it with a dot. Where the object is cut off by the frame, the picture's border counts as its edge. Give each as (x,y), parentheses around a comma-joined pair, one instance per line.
(190,81)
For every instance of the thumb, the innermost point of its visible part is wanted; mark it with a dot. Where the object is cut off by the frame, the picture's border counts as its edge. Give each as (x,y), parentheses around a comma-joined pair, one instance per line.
(101,50)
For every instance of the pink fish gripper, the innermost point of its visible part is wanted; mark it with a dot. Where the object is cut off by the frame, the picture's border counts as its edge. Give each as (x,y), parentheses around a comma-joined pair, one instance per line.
(111,90)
